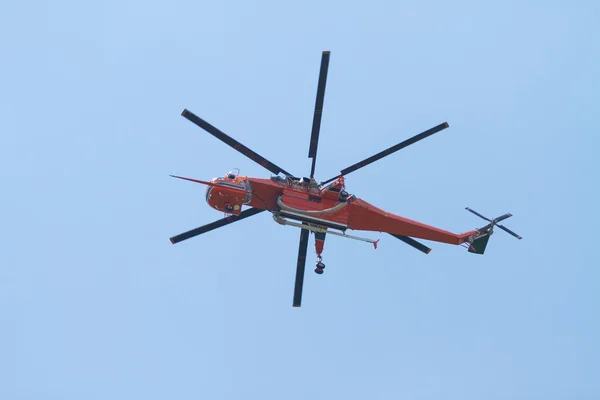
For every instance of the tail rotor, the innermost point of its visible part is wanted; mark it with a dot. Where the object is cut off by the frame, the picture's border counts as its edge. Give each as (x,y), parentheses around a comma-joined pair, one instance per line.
(478,244)
(489,228)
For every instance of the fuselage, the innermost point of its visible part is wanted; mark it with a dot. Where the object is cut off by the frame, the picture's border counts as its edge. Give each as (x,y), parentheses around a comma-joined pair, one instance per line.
(304,201)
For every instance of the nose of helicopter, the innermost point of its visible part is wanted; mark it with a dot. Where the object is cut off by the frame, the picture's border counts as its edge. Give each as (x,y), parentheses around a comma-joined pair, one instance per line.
(227,194)
(208,189)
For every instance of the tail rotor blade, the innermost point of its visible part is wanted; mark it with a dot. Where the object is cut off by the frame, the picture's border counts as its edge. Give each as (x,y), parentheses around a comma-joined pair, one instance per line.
(509,231)
(476,213)
(502,218)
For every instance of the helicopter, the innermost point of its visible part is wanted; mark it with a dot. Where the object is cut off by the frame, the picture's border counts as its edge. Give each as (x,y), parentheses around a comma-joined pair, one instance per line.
(323,208)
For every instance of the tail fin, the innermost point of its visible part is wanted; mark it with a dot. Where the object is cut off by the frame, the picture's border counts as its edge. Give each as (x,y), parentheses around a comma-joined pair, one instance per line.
(478,244)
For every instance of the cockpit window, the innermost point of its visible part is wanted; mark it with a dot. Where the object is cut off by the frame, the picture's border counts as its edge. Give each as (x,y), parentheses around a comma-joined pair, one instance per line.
(233,173)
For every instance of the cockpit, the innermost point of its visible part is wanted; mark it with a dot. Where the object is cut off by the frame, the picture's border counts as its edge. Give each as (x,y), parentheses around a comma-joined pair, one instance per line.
(226,190)
(233,173)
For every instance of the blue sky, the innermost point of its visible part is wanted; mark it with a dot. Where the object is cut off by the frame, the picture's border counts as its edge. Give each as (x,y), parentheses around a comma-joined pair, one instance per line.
(96,303)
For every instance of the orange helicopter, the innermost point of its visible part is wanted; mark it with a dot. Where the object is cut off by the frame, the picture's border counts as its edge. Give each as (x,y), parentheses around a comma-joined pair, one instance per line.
(320,207)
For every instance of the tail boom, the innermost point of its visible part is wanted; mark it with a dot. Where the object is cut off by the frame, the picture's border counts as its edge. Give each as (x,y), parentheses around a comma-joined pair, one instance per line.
(365,216)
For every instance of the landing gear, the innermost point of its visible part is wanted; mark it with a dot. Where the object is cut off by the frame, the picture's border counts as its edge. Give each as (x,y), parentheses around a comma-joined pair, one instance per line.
(320,267)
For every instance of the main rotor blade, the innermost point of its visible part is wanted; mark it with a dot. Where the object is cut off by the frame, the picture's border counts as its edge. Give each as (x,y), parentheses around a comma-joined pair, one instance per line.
(214,225)
(302,248)
(389,151)
(412,242)
(316,127)
(234,143)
